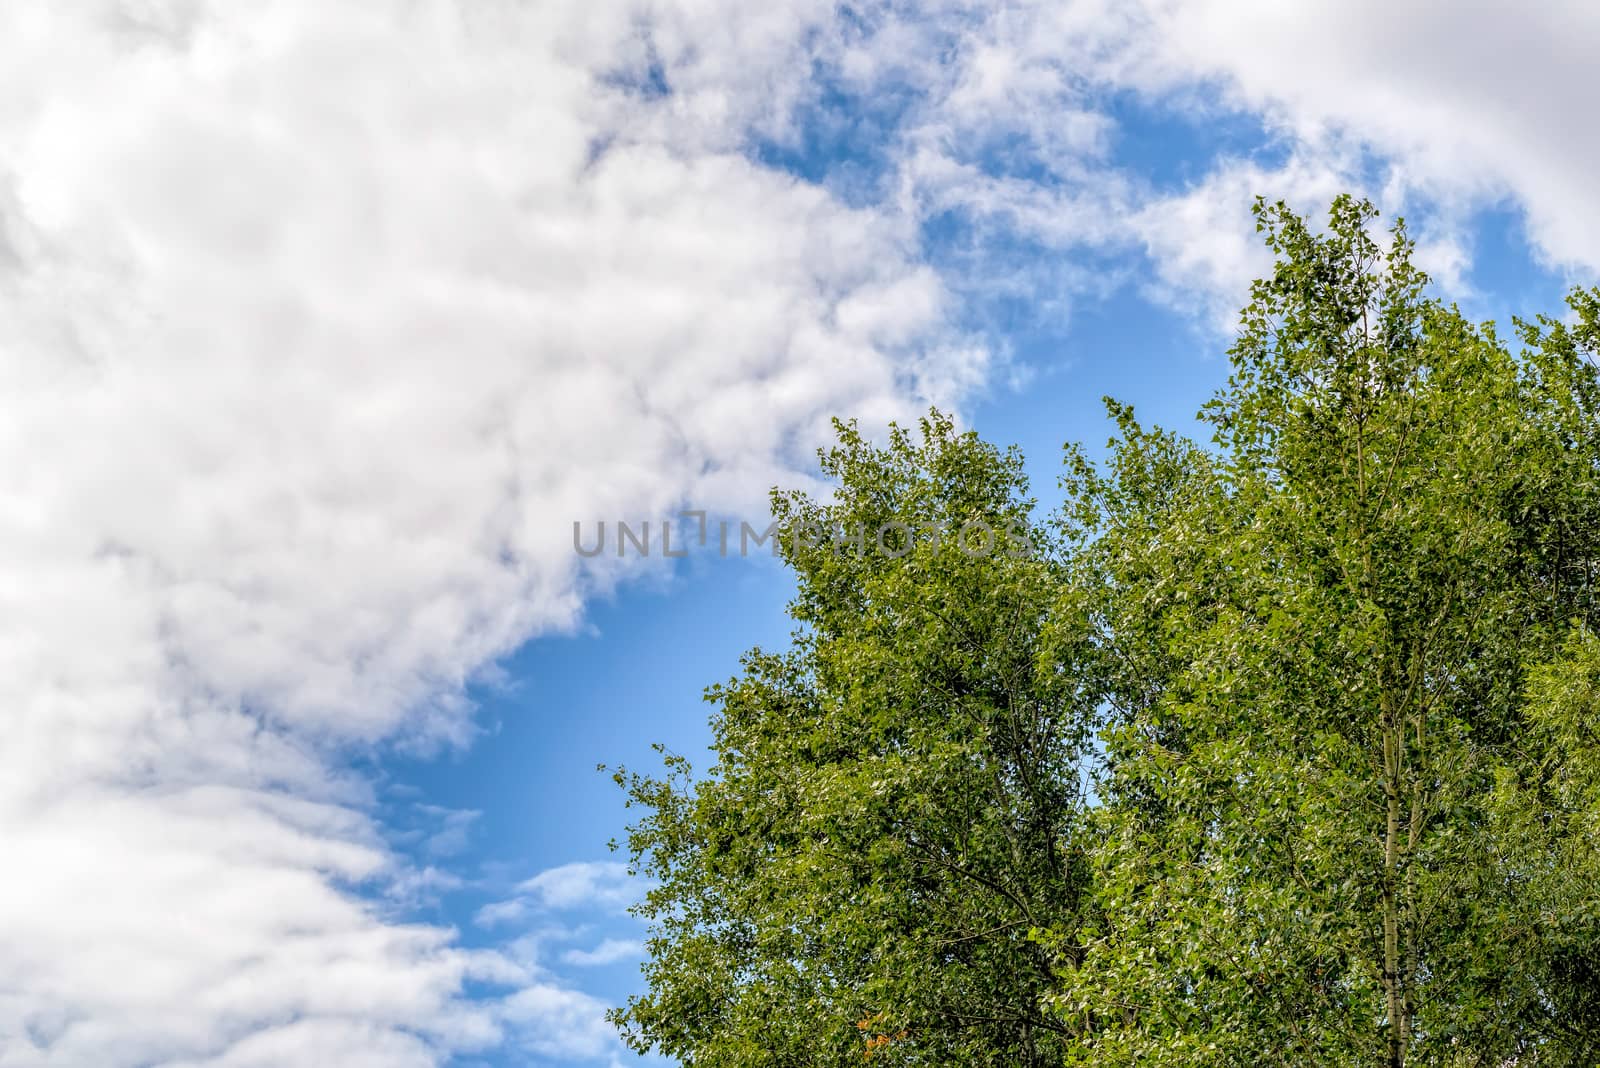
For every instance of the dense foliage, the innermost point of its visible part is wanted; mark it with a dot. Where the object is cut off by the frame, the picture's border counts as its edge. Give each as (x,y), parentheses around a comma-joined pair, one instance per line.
(892,815)
(1278,750)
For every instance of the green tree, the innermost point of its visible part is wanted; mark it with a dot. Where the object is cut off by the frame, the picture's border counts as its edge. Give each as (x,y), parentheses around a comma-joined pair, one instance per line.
(896,799)
(1326,771)
(1282,749)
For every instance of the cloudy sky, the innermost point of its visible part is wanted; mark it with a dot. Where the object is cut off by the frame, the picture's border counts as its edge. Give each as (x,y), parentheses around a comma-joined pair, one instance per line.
(320,325)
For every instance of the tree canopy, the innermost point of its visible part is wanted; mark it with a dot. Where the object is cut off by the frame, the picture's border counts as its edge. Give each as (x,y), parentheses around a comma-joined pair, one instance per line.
(1277,749)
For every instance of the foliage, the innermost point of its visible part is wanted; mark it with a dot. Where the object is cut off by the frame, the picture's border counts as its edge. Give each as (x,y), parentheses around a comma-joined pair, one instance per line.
(1310,849)
(1335,676)
(895,805)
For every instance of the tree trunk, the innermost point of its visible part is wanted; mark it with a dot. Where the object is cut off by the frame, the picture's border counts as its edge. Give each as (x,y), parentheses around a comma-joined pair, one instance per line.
(1392,987)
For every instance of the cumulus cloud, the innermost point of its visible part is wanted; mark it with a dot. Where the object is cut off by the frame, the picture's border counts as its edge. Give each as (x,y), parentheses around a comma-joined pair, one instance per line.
(322,324)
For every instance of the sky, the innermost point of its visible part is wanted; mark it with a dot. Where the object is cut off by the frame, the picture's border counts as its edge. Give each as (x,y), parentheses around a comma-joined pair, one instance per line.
(322,324)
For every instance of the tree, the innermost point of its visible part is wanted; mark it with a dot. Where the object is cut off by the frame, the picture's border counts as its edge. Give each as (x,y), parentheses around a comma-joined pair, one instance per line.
(896,800)
(1325,766)
(1334,678)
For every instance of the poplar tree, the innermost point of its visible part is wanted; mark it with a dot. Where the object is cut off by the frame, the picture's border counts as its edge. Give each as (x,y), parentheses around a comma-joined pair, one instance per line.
(1349,799)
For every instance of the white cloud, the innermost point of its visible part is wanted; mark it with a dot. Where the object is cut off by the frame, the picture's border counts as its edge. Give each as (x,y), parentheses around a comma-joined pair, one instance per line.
(322,324)
(609,951)
(1436,110)
(587,884)
(355,1044)
(558,1022)
(501,912)
(1202,242)
(1464,101)
(558,907)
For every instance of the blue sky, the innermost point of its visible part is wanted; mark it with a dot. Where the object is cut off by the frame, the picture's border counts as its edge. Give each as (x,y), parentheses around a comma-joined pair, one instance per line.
(322,325)
(632,675)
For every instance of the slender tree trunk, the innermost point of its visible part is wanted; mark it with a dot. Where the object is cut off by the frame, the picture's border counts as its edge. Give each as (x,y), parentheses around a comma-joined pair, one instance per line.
(1395,1003)
(1414,830)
